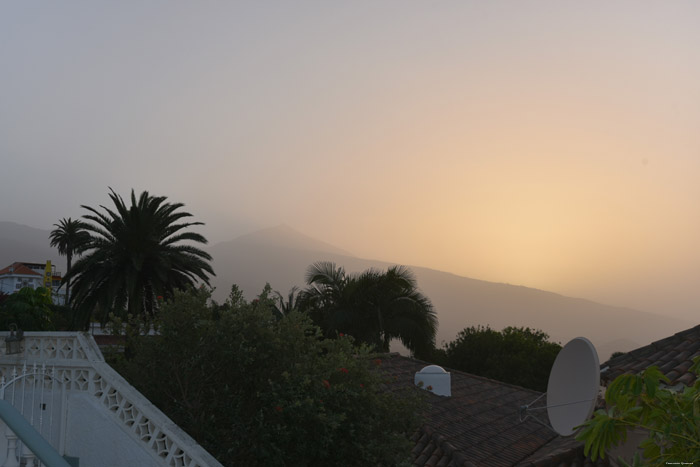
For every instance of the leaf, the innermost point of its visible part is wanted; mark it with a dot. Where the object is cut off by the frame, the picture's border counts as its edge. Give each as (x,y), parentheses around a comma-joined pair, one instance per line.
(655,373)
(638,384)
(695,368)
(633,414)
(591,436)
(651,386)
(650,449)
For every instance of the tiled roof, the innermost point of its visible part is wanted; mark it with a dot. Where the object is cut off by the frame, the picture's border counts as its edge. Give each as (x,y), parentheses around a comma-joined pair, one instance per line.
(19,268)
(562,452)
(479,424)
(673,355)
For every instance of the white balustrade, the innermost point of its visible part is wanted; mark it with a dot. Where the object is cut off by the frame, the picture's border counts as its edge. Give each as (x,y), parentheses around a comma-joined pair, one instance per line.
(78,365)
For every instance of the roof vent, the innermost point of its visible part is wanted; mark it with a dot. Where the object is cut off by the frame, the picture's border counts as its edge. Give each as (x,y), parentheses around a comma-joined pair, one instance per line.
(434,379)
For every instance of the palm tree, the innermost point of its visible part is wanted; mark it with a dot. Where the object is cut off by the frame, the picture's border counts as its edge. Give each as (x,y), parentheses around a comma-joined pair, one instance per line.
(69,237)
(374,306)
(282,307)
(135,255)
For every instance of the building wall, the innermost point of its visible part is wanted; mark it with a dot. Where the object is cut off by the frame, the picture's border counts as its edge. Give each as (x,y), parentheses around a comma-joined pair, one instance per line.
(9,282)
(8,285)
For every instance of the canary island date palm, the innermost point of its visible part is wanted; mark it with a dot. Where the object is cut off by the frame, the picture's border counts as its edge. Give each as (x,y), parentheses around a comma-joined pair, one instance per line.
(69,238)
(135,255)
(373,306)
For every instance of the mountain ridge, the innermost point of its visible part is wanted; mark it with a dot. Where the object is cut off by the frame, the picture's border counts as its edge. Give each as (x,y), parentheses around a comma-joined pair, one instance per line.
(459,301)
(19,242)
(281,255)
(286,236)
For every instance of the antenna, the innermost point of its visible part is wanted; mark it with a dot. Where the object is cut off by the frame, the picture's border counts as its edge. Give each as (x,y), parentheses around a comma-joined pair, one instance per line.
(572,389)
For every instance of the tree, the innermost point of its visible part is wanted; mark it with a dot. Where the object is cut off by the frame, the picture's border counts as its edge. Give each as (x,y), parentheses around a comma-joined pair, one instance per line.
(69,237)
(373,306)
(134,255)
(30,309)
(671,419)
(521,356)
(283,307)
(255,389)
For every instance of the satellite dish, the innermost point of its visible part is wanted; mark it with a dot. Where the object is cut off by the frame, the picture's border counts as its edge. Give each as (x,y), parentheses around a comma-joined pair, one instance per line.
(572,389)
(573,386)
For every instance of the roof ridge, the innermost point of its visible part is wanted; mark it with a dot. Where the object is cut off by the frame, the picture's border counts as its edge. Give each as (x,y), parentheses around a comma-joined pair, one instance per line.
(19,268)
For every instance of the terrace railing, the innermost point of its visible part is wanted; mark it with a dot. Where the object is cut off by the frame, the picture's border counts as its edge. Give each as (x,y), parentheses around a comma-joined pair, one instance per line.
(77,363)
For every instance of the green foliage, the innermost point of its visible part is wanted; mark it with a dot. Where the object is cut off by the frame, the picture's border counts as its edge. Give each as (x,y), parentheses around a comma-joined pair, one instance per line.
(30,309)
(284,307)
(33,310)
(521,356)
(672,419)
(64,318)
(134,255)
(255,389)
(374,306)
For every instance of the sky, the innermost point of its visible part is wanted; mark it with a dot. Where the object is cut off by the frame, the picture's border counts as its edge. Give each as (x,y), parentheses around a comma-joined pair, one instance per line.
(552,144)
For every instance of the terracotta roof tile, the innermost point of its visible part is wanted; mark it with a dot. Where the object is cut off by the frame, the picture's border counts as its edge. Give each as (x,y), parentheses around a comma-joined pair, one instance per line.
(687,379)
(19,268)
(673,355)
(478,425)
(667,366)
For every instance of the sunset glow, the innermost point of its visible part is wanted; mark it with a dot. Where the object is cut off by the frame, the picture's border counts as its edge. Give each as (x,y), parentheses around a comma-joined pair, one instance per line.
(548,144)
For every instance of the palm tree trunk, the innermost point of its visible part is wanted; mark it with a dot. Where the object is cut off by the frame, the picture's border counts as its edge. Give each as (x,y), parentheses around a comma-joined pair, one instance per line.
(381,338)
(69,257)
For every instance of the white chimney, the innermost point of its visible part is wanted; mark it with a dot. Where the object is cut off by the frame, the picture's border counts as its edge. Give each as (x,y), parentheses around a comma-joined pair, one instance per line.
(435,379)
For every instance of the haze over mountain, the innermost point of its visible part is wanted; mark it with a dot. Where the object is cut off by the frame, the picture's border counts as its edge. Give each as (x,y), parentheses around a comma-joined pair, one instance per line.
(548,144)
(23,243)
(281,255)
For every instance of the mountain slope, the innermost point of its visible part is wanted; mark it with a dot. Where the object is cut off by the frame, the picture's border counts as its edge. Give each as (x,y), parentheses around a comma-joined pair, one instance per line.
(459,301)
(23,243)
(281,255)
(283,236)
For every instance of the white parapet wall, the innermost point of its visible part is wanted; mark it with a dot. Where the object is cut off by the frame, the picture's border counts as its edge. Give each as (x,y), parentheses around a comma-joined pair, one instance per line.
(95,414)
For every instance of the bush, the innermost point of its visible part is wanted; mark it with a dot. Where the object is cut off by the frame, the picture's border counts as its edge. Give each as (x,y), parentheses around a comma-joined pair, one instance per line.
(29,309)
(257,390)
(521,356)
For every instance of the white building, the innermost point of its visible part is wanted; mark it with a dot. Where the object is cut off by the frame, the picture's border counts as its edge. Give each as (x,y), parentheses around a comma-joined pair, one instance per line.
(20,274)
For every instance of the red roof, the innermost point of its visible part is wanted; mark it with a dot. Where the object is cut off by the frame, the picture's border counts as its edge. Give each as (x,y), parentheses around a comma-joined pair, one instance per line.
(19,268)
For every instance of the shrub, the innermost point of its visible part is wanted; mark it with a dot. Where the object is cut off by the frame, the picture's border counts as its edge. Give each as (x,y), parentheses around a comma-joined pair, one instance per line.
(671,419)
(521,356)
(257,390)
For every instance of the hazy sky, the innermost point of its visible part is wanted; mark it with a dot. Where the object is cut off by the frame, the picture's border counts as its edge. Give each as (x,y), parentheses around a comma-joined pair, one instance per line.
(550,144)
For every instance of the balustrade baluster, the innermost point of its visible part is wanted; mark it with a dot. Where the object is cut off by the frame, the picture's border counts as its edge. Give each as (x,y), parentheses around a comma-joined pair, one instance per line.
(11,459)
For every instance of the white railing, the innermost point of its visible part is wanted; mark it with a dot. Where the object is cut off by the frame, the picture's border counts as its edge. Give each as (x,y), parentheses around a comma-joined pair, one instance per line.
(79,365)
(17,428)
(39,397)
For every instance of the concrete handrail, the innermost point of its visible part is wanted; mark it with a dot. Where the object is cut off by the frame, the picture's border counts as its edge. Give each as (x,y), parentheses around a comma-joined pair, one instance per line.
(30,437)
